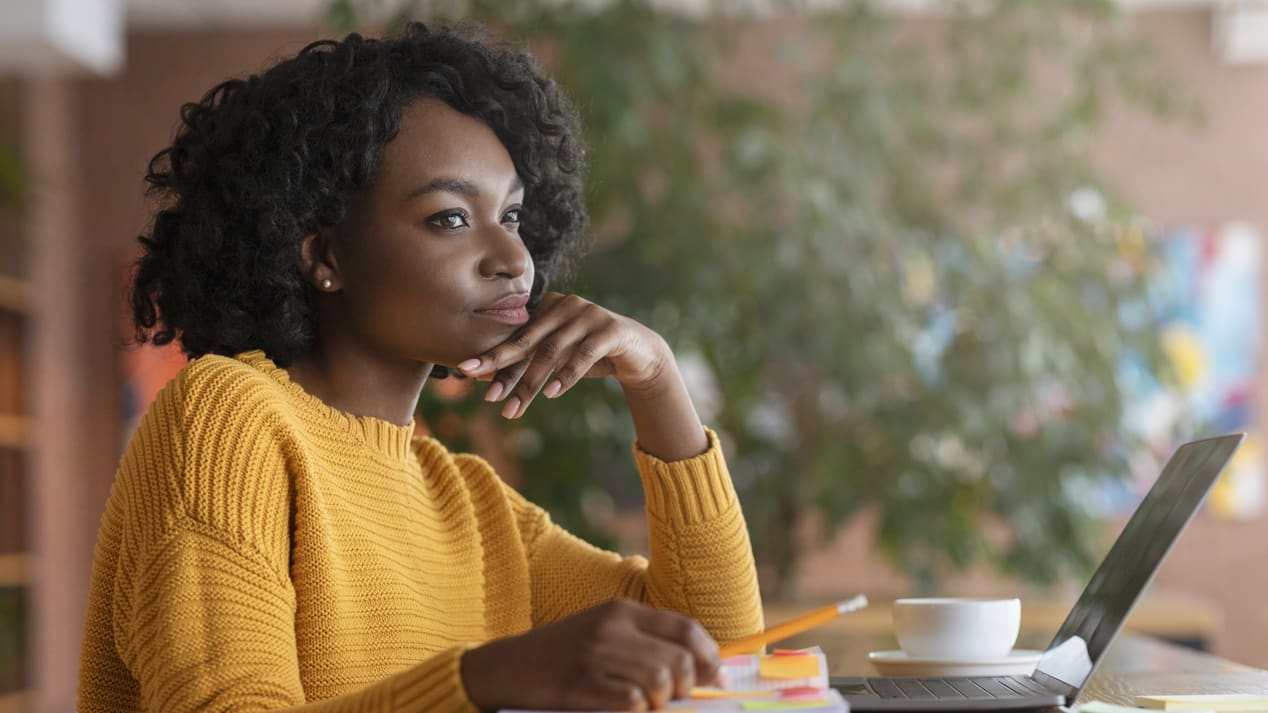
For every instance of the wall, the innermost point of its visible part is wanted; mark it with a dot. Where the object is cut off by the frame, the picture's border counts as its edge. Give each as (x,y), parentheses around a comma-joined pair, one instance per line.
(1204,177)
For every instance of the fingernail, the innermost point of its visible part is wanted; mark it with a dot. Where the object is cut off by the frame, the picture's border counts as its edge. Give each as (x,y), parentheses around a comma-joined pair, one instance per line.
(552,389)
(508,411)
(494,392)
(469,365)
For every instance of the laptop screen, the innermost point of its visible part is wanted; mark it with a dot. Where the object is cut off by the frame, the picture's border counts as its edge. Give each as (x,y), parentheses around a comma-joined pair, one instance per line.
(1132,561)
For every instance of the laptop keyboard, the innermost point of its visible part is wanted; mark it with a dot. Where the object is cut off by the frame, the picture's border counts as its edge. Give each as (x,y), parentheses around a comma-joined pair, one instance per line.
(936,688)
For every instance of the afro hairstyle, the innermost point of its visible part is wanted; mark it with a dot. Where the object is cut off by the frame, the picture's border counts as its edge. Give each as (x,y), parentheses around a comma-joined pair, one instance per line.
(261,162)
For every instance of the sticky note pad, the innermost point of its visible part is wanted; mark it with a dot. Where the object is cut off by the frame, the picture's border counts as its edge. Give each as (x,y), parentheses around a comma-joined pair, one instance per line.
(1205,702)
(788,667)
(1103,707)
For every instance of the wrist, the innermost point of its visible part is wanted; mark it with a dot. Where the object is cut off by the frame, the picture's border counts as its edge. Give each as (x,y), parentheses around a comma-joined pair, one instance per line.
(660,375)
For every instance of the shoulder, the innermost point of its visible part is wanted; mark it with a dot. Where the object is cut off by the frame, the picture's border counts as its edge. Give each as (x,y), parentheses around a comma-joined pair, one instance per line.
(221,384)
(222,402)
(213,448)
(209,394)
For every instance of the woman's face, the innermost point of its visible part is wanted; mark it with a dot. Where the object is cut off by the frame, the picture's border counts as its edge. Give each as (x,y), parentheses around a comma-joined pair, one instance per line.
(431,267)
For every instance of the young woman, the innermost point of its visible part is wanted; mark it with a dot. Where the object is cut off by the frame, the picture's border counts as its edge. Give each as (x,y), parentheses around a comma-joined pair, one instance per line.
(336,230)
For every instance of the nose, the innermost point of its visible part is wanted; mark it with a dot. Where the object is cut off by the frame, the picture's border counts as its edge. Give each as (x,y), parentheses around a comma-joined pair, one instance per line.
(505,255)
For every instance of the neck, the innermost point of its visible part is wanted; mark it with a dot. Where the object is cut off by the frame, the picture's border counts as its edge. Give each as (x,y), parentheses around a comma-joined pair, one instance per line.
(360,383)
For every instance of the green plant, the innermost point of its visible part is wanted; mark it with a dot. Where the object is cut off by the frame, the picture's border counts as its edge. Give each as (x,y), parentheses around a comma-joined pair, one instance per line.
(884,278)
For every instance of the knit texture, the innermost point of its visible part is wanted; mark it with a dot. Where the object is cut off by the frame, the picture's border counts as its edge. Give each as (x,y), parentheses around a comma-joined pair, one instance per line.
(263,551)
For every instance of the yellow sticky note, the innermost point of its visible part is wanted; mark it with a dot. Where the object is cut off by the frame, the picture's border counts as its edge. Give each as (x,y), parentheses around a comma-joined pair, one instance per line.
(1103,707)
(1205,702)
(788,667)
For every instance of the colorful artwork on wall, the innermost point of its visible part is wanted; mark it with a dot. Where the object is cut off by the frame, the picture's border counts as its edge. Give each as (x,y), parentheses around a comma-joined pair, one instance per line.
(1211,308)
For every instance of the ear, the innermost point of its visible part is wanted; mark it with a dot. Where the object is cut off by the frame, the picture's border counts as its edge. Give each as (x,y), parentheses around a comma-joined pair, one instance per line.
(318,262)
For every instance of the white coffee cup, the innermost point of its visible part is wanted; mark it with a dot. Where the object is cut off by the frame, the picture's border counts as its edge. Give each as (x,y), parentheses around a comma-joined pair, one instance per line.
(957,629)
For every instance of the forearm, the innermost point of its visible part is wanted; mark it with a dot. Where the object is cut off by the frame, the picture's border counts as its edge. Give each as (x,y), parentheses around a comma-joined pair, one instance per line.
(665,419)
(701,560)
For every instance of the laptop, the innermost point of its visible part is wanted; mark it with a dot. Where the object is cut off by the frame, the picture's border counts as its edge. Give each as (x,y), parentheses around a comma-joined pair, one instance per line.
(1097,616)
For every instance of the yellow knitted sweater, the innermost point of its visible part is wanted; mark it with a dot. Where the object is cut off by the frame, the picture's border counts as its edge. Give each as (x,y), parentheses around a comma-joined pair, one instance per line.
(261,550)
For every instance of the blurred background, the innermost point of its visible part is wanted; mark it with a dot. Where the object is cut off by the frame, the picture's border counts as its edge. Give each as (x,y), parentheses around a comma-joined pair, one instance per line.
(951,280)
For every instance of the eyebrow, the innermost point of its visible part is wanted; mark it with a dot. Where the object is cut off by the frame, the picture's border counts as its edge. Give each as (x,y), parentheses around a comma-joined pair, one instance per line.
(461,186)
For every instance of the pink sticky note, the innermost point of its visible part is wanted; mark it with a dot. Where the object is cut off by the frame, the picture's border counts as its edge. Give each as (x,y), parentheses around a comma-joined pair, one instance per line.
(801,693)
(791,652)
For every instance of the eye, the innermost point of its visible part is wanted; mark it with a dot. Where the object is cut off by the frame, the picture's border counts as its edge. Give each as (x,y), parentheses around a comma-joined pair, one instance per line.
(449,220)
(512,216)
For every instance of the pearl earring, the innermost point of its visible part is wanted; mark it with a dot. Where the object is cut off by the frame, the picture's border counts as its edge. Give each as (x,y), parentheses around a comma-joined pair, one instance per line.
(326,284)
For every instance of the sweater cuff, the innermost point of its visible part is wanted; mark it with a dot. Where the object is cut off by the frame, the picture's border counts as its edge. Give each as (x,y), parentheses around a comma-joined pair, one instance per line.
(687,491)
(434,685)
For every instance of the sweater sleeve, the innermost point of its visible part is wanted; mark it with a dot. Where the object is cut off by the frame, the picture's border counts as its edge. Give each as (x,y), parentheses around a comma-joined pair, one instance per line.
(701,562)
(212,629)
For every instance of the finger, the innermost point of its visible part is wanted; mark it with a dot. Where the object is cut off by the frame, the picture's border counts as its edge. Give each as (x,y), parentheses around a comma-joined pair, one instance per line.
(550,314)
(614,694)
(551,353)
(519,343)
(501,383)
(663,670)
(581,362)
(685,632)
(595,691)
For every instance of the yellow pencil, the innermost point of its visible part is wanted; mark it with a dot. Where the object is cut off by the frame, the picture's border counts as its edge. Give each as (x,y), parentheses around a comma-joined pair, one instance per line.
(805,622)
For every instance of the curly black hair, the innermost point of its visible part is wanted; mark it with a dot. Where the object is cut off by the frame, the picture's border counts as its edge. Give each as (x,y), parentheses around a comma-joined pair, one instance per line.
(260,162)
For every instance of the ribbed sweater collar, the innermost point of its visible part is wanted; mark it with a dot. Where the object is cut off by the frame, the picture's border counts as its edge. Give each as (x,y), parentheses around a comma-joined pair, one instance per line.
(388,438)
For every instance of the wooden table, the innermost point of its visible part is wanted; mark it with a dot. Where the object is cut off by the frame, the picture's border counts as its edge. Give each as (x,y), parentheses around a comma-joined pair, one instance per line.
(1134,665)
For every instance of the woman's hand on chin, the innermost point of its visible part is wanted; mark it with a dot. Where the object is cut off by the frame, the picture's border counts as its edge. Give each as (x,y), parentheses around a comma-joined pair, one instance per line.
(569,339)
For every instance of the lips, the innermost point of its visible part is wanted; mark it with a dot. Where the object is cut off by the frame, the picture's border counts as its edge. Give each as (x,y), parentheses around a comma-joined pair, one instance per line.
(513,301)
(508,310)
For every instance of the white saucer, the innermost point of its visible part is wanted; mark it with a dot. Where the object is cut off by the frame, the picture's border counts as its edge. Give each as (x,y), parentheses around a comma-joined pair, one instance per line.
(1018,662)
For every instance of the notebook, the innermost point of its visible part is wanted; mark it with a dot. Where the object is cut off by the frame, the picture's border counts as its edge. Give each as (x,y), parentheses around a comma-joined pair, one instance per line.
(1092,624)
(825,701)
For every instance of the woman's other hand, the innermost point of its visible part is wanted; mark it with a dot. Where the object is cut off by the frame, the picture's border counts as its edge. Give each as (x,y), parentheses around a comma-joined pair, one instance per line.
(616,656)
